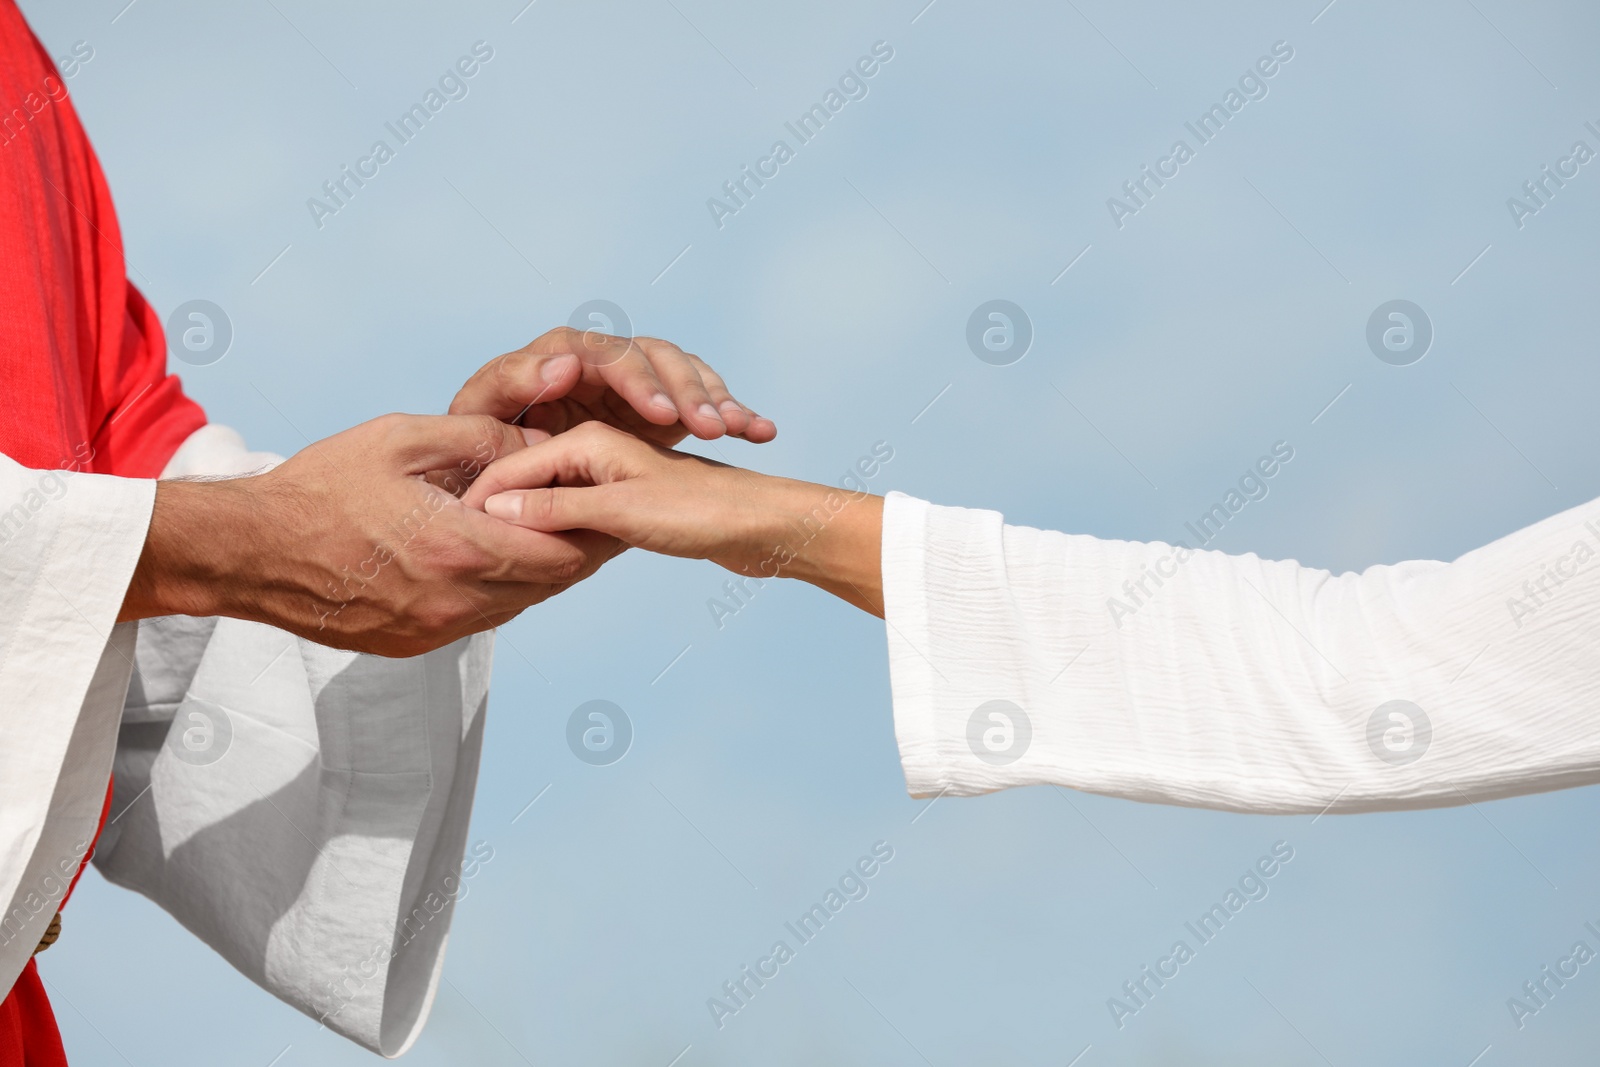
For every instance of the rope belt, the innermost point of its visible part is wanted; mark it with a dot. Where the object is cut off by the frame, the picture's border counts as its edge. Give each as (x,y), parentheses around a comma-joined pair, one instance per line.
(50,935)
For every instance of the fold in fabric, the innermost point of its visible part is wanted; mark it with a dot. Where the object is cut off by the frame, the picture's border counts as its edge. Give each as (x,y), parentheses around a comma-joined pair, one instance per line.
(301,810)
(68,547)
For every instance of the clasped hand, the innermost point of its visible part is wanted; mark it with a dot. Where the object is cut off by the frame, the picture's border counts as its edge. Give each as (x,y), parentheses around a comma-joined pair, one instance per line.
(362,541)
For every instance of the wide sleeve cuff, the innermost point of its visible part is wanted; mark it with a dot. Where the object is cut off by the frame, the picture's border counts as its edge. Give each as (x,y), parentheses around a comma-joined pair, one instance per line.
(302,810)
(944,592)
(69,543)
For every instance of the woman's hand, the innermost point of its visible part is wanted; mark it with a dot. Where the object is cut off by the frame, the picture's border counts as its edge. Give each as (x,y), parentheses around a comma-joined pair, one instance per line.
(598,478)
(649,387)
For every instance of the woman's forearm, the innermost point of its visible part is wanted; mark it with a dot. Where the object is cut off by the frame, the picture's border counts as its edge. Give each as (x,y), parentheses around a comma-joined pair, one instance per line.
(828,537)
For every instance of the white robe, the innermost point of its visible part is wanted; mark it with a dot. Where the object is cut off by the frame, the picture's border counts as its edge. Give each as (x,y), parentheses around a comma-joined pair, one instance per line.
(1235,682)
(304,811)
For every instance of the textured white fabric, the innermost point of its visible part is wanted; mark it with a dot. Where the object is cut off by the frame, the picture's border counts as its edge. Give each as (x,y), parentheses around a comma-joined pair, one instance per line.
(68,545)
(303,811)
(1235,682)
(216,451)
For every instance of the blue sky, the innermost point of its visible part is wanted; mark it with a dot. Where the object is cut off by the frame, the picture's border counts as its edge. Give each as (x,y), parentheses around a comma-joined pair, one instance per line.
(1228,313)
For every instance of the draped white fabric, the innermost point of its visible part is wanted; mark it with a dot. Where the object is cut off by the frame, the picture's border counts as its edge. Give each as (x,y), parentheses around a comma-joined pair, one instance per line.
(303,811)
(68,546)
(1020,656)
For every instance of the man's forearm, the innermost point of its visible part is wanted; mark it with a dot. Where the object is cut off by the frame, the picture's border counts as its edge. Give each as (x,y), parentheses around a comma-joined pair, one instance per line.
(187,567)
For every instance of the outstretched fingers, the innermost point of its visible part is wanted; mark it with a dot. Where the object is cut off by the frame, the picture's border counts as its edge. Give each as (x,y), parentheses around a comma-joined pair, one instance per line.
(555,383)
(677,370)
(740,420)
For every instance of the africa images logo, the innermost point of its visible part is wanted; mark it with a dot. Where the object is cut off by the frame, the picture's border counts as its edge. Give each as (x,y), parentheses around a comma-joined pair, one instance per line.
(1399,732)
(1399,332)
(741,189)
(599,732)
(1252,85)
(999,732)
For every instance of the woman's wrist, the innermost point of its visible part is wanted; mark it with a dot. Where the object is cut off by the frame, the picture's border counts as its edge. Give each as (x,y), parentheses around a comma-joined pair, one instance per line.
(826,536)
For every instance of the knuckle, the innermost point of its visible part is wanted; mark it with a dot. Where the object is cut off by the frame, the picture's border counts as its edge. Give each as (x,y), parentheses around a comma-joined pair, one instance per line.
(532,506)
(393,429)
(486,379)
(449,610)
(431,617)
(569,566)
(607,441)
(487,428)
(460,559)
(660,345)
(439,556)
(498,368)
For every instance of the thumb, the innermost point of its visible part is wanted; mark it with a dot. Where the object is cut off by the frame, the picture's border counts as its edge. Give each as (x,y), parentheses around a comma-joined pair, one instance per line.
(508,386)
(424,443)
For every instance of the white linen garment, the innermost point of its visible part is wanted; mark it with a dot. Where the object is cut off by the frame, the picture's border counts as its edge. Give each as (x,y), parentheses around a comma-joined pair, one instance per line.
(1022,656)
(303,811)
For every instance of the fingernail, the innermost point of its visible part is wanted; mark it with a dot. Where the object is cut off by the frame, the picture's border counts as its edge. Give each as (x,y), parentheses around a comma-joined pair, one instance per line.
(532,436)
(557,368)
(710,412)
(663,401)
(728,406)
(503,506)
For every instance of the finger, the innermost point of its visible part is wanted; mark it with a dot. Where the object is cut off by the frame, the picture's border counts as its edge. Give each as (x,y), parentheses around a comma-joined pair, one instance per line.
(622,365)
(742,422)
(734,414)
(508,385)
(761,430)
(525,556)
(469,443)
(678,372)
(561,508)
(563,458)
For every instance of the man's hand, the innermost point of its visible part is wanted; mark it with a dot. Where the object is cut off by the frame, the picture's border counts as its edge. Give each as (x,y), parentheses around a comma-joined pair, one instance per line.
(349,545)
(651,388)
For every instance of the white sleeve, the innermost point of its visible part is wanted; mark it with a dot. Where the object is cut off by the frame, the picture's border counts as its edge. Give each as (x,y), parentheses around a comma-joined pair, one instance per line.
(69,543)
(303,811)
(1148,671)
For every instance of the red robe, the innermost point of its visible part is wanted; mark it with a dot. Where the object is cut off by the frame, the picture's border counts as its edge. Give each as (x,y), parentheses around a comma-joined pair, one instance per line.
(83,378)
